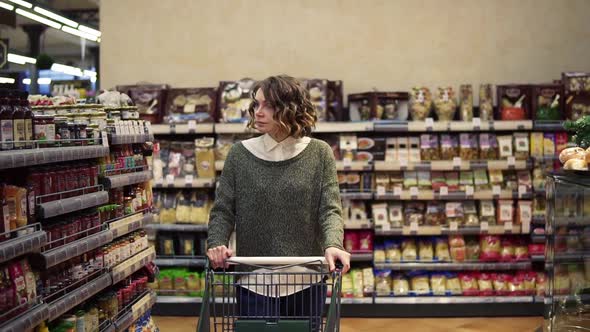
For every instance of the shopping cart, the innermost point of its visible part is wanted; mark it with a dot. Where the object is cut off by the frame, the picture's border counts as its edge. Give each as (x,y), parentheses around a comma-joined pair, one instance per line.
(293,298)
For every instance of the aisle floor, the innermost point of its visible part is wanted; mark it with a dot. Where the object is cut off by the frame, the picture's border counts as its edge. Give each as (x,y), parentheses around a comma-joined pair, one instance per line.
(508,324)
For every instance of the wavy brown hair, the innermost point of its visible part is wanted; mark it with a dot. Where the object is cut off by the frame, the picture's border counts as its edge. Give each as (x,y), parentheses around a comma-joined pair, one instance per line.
(293,110)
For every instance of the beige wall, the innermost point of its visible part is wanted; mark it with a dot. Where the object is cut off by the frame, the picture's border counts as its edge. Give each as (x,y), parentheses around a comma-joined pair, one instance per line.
(387,44)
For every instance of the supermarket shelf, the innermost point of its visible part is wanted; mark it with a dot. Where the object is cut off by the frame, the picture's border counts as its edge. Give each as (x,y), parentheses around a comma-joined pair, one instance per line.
(356,195)
(354,166)
(539,220)
(358,300)
(444,230)
(440,126)
(109,328)
(117,181)
(177,227)
(186,183)
(458,195)
(22,245)
(162,261)
(548,125)
(358,224)
(539,239)
(572,222)
(449,165)
(178,299)
(537,258)
(341,127)
(130,224)
(72,204)
(233,128)
(81,294)
(73,249)
(576,257)
(130,139)
(435,266)
(177,128)
(34,157)
(28,320)
(133,264)
(361,257)
(138,309)
(454,299)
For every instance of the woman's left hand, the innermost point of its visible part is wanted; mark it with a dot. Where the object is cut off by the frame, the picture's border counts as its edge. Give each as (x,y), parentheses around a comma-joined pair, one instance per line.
(333,254)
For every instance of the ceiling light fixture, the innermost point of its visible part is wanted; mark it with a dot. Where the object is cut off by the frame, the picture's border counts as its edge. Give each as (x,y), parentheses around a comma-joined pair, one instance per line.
(56,17)
(21,60)
(67,69)
(22,3)
(7,80)
(6,6)
(89,30)
(38,18)
(79,33)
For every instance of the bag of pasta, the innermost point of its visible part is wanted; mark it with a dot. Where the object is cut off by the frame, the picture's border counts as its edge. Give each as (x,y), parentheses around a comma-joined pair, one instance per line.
(425,251)
(438,282)
(441,250)
(419,283)
(401,286)
(409,252)
(383,282)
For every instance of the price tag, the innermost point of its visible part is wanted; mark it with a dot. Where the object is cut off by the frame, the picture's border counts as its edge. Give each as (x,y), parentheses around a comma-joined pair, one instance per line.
(444,191)
(105,139)
(454,226)
(414,192)
(484,226)
(192,126)
(468,190)
(414,227)
(347,162)
(397,191)
(476,123)
(496,190)
(169,180)
(429,122)
(386,226)
(508,226)
(456,163)
(511,162)
(188,180)
(380,190)
(403,164)
(521,191)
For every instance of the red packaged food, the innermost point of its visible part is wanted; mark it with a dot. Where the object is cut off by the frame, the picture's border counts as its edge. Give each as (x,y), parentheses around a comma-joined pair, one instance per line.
(365,241)
(508,250)
(351,241)
(469,284)
(456,240)
(30,283)
(521,250)
(540,283)
(516,285)
(537,249)
(485,284)
(501,284)
(18,282)
(490,248)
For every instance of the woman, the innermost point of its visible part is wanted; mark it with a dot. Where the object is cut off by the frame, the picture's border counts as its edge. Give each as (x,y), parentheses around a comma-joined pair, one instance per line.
(280,192)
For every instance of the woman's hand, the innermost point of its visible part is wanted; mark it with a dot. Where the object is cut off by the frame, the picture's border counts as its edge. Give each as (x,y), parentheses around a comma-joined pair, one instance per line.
(333,254)
(218,255)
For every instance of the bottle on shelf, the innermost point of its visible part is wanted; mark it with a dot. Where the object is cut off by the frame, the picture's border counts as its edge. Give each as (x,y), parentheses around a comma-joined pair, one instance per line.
(28,117)
(6,124)
(18,121)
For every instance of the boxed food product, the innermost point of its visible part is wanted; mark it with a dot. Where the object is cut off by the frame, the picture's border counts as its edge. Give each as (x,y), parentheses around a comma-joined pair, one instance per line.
(480,179)
(505,146)
(335,101)
(429,147)
(488,146)
(396,216)
(410,179)
(190,104)
(453,285)
(521,146)
(438,180)
(378,106)
(486,102)
(420,103)
(425,252)
(391,149)
(367,182)
(382,180)
(438,282)
(487,212)
(166,245)
(401,286)
(548,102)
(549,144)
(149,99)
(347,286)
(470,212)
(393,253)
(455,213)
(514,102)
(357,283)
(496,177)
(469,284)
(561,140)
(419,283)
(490,248)
(353,182)
(424,181)
(382,282)
(435,213)
(414,213)
(441,250)
(468,146)
(414,151)
(577,94)
(524,179)
(380,215)
(445,104)
(452,180)
(234,100)
(186,244)
(366,240)
(465,179)
(351,241)
(409,251)
(466,102)
(505,211)
(510,180)
(449,146)
(394,105)
(524,212)
(318,94)
(537,149)
(205,157)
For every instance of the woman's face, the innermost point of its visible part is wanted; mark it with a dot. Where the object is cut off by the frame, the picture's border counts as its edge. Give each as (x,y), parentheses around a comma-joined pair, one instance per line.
(263,113)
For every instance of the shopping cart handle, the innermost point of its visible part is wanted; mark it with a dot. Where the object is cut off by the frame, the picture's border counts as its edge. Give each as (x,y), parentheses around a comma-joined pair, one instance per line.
(307,260)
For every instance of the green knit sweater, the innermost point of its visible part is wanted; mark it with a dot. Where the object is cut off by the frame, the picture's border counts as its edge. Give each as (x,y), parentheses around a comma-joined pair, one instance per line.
(282,208)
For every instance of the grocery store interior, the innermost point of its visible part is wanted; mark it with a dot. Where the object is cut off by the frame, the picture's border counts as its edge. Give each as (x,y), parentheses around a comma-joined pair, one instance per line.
(460,131)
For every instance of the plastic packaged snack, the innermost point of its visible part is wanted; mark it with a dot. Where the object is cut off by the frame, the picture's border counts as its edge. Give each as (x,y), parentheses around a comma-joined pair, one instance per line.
(435,213)
(486,106)
(470,212)
(186,244)
(357,283)
(541,283)
(379,254)
(420,103)
(488,146)
(501,281)
(380,215)
(419,283)
(510,181)
(429,146)
(521,250)
(424,181)
(392,251)
(445,104)
(449,146)
(456,240)
(351,241)
(524,212)
(505,146)
(496,177)
(409,251)
(490,248)
(200,207)
(425,252)
(466,102)
(576,276)
(410,179)
(453,284)
(183,207)
(468,147)
(505,212)
(452,180)
(401,286)
(414,213)
(382,282)
(472,249)
(516,286)
(529,278)
(469,284)
(454,211)
(561,281)
(347,286)
(168,209)
(465,179)
(485,284)
(480,179)
(396,216)
(438,180)
(368,281)
(487,212)
(457,244)
(521,146)
(438,283)
(441,250)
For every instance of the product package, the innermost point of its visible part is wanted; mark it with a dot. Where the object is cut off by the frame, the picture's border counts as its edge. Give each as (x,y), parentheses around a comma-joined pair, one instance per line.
(514,102)
(548,102)
(383,282)
(449,146)
(234,100)
(401,286)
(420,103)
(445,104)
(466,102)
(190,104)
(419,282)
(490,248)
(468,147)
(488,146)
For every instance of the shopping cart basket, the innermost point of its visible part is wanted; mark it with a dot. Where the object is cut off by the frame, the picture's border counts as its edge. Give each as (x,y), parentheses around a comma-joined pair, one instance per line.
(283,297)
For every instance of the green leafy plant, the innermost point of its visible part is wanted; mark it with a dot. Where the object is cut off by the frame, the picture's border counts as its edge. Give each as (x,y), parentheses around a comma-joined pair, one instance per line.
(581,130)
(44,61)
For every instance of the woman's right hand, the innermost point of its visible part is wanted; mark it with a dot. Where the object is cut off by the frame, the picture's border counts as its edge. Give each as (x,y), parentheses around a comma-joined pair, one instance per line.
(218,255)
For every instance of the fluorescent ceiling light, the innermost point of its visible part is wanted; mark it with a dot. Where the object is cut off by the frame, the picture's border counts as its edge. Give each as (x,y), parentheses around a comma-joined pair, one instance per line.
(56,17)
(22,3)
(91,31)
(42,80)
(79,33)
(89,73)
(6,6)
(93,79)
(38,18)
(7,80)
(67,69)
(27,81)
(21,60)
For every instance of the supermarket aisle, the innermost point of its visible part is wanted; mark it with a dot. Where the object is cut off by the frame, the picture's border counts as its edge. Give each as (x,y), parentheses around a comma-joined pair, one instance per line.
(513,324)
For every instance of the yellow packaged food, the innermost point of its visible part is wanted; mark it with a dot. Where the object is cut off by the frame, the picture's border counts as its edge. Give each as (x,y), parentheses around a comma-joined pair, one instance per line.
(438,282)
(205,157)
(401,287)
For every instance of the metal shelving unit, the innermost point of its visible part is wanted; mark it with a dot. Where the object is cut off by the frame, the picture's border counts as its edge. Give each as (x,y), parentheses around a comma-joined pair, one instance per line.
(27,243)
(456,266)
(132,264)
(34,157)
(117,181)
(72,204)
